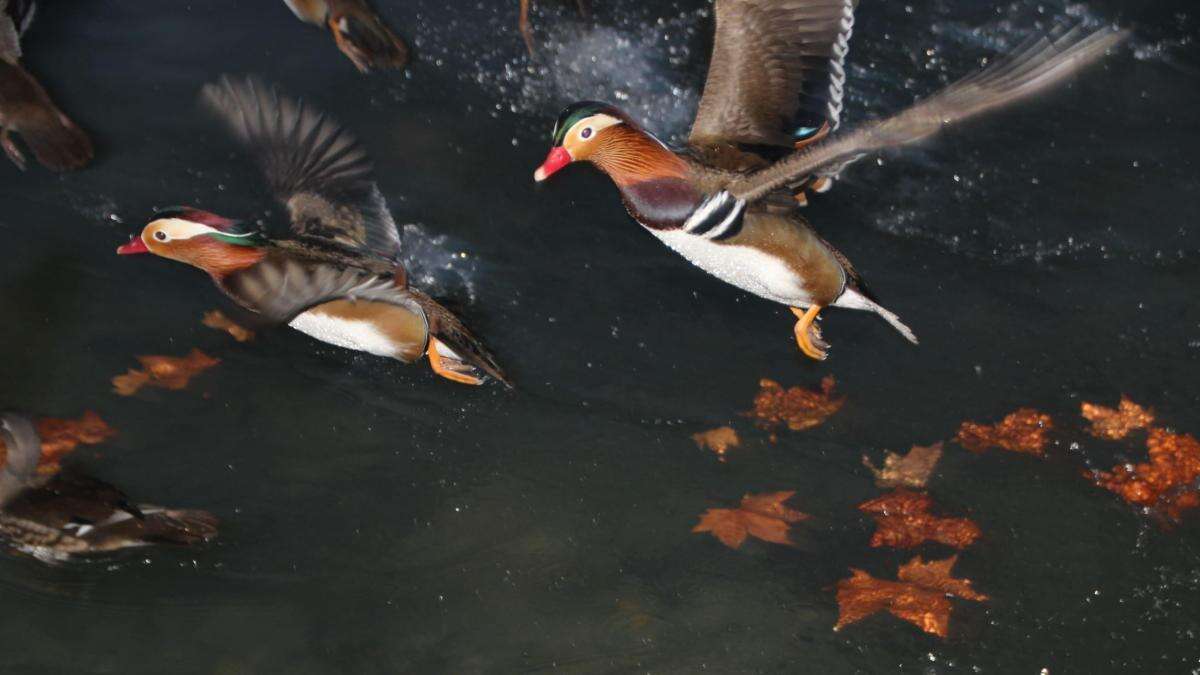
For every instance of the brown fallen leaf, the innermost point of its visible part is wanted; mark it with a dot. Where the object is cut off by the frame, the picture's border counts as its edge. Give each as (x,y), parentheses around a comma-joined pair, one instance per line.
(921,595)
(903,520)
(719,440)
(1116,423)
(1022,431)
(217,320)
(763,516)
(797,407)
(1167,482)
(60,437)
(167,372)
(911,470)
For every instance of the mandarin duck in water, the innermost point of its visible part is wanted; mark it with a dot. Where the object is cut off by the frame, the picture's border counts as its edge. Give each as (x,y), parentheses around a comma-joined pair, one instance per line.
(764,135)
(334,273)
(54,518)
(25,107)
(358,31)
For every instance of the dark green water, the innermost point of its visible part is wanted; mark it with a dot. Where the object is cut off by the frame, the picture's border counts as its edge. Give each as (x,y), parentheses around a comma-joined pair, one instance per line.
(376,519)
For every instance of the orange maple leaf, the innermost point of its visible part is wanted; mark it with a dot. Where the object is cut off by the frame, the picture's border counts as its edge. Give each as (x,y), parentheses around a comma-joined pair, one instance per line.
(921,595)
(911,470)
(167,372)
(1167,482)
(797,407)
(1022,431)
(1115,424)
(903,520)
(61,436)
(217,320)
(763,516)
(719,440)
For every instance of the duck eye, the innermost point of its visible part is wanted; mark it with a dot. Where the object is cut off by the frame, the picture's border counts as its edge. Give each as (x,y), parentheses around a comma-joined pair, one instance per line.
(586,133)
(160,235)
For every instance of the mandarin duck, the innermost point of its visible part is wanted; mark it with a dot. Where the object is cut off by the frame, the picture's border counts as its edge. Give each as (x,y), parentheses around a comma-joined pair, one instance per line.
(334,272)
(56,517)
(25,107)
(358,31)
(762,136)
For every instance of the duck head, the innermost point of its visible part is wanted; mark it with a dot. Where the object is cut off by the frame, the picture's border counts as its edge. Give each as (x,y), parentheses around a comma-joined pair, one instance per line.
(596,132)
(199,238)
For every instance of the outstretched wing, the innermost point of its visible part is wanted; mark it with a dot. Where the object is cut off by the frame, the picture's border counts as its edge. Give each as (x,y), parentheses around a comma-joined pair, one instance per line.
(314,166)
(1036,66)
(776,74)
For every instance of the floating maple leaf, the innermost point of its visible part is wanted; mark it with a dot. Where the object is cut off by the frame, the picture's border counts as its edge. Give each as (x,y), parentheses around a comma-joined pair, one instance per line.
(911,470)
(797,407)
(763,516)
(60,437)
(1115,424)
(719,440)
(1167,482)
(904,521)
(168,372)
(218,321)
(1022,431)
(919,596)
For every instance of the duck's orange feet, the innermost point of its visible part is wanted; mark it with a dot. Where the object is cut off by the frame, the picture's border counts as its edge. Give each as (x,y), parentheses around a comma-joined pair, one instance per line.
(808,333)
(448,367)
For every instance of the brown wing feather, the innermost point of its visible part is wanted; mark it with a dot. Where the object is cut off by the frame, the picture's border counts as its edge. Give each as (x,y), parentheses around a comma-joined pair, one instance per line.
(314,166)
(776,66)
(1038,65)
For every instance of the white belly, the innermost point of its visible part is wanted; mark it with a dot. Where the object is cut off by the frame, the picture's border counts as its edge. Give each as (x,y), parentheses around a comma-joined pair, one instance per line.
(742,266)
(357,335)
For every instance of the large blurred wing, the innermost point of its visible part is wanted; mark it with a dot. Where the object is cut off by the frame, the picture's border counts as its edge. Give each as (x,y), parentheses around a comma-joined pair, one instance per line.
(22,450)
(1039,64)
(10,35)
(315,167)
(776,74)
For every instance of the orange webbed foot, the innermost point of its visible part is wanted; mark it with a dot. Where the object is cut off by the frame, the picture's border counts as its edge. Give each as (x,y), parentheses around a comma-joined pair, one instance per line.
(808,333)
(450,368)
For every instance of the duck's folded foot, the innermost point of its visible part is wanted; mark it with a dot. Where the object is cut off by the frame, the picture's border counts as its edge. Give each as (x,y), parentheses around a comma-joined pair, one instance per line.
(808,333)
(11,149)
(449,367)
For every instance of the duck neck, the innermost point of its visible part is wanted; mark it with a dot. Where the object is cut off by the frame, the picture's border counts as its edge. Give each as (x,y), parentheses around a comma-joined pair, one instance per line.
(653,180)
(220,259)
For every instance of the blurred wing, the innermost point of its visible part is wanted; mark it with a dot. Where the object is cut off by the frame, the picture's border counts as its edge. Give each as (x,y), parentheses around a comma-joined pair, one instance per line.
(315,168)
(776,74)
(1036,66)
(280,288)
(23,450)
(10,37)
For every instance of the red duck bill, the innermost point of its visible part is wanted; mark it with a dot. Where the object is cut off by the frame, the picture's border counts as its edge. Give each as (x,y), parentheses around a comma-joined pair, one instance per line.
(557,159)
(134,247)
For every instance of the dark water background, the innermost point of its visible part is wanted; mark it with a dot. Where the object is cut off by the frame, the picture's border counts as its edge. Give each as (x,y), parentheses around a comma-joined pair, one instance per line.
(377,519)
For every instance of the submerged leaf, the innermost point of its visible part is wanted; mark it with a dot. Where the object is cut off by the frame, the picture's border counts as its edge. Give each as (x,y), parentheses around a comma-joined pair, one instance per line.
(763,516)
(919,596)
(1022,431)
(1167,482)
(904,521)
(911,470)
(1115,424)
(167,372)
(217,320)
(60,437)
(797,407)
(719,440)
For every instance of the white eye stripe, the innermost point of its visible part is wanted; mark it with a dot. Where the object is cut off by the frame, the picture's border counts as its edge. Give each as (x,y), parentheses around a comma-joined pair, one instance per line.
(176,228)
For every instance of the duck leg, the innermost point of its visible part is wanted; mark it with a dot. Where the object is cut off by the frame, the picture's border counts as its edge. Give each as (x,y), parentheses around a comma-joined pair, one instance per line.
(451,369)
(523,24)
(11,149)
(808,333)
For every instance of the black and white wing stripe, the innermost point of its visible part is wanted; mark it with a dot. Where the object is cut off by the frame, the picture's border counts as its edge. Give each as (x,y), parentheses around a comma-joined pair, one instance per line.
(720,216)
(314,166)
